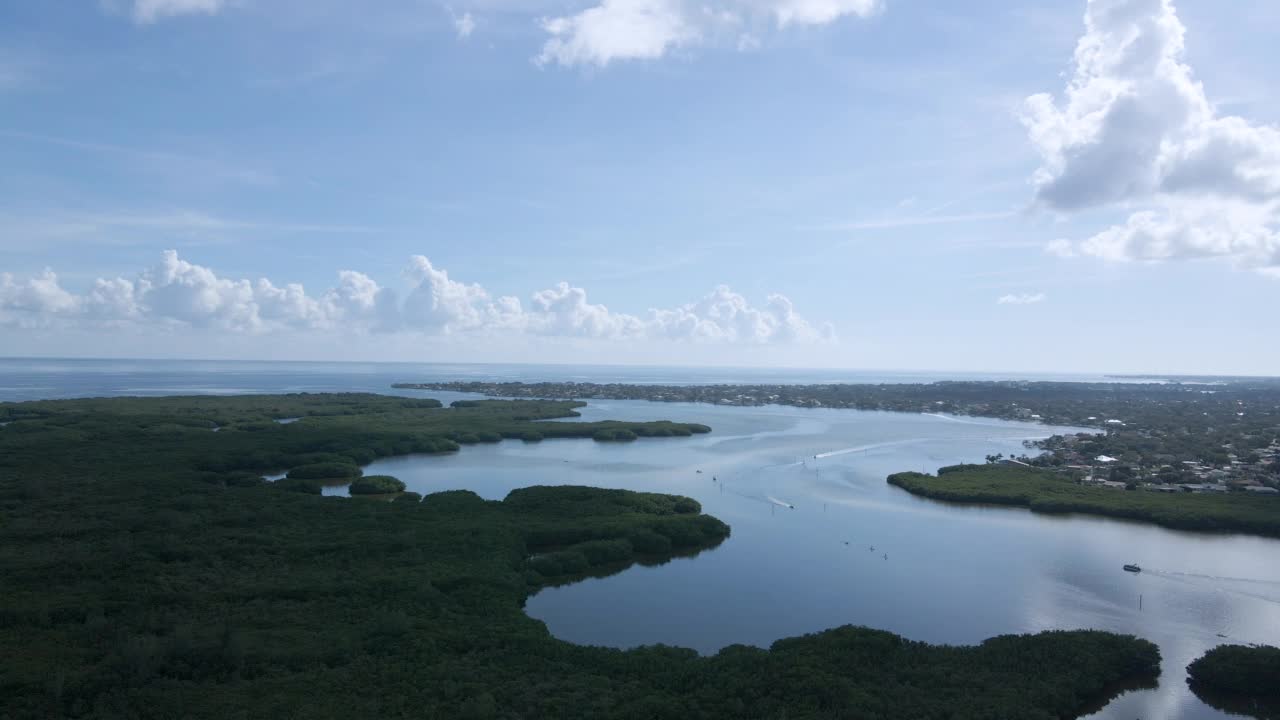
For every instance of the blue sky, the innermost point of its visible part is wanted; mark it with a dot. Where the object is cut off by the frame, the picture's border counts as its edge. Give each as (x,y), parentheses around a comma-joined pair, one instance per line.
(837,183)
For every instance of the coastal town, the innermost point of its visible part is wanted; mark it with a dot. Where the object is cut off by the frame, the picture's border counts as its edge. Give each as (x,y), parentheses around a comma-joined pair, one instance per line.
(1256,472)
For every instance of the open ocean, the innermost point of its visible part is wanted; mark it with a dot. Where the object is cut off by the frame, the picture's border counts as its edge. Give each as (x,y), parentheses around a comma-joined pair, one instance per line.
(43,378)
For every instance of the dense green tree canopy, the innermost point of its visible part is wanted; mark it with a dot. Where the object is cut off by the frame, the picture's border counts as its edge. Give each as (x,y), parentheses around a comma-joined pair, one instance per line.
(1240,679)
(376,485)
(146,576)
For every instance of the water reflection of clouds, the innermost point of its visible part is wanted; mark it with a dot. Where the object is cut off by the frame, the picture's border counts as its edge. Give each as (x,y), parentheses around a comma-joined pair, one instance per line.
(1182,612)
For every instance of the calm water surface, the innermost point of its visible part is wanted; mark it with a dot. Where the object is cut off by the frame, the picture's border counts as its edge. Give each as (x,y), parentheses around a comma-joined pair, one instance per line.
(952,574)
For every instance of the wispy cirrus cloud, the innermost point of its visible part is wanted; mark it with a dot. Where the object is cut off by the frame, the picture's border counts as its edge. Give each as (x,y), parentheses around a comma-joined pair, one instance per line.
(890,223)
(168,161)
(149,228)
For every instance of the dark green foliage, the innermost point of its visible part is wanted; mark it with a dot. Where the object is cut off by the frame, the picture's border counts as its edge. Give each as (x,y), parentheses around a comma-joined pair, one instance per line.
(409,497)
(349,429)
(1239,679)
(615,435)
(687,505)
(567,562)
(881,675)
(233,479)
(325,471)
(1240,669)
(605,552)
(140,581)
(376,485)
(454,500)
(244,479)
(297,484)
(359,456)
(1044,491)
(649,542)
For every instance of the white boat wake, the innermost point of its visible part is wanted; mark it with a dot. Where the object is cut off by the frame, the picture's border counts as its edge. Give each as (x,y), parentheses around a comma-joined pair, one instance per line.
(861,448)
(780,503)
(965,421)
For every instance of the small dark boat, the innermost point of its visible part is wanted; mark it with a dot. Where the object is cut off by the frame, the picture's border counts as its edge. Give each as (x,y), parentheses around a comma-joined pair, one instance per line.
(1132,568)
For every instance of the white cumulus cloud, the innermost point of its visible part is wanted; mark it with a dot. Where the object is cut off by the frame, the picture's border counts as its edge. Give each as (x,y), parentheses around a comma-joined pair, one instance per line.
(618,30)
(438,304)
(1242,232)
(615,30)
(564,310)
(149,11)
(1136,130)
(358,301)
(178,293)
(34,301)
(726,316)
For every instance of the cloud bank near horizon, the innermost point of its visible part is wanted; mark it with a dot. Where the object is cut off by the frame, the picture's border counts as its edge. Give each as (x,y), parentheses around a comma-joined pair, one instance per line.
(178,294)
(1136,131)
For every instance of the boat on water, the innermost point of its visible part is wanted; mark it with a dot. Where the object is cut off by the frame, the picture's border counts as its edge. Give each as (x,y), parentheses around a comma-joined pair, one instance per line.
(1132,568)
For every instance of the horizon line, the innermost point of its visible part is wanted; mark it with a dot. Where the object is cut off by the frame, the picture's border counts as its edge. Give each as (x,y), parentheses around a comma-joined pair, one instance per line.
(904,371)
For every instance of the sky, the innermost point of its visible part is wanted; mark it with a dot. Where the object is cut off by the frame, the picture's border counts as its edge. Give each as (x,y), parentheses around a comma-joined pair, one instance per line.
(1041,186)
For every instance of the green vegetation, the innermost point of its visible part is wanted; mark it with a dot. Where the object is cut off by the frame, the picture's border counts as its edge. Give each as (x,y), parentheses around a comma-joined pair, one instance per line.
(302,485)
(1240,679)
(344,430)
(1247,670)
(1048,492)
(149,573)
(376,485)
(619,435)
(324,471)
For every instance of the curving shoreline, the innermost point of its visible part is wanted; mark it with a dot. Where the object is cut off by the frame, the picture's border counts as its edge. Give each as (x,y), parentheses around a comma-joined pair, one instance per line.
(1046,492)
